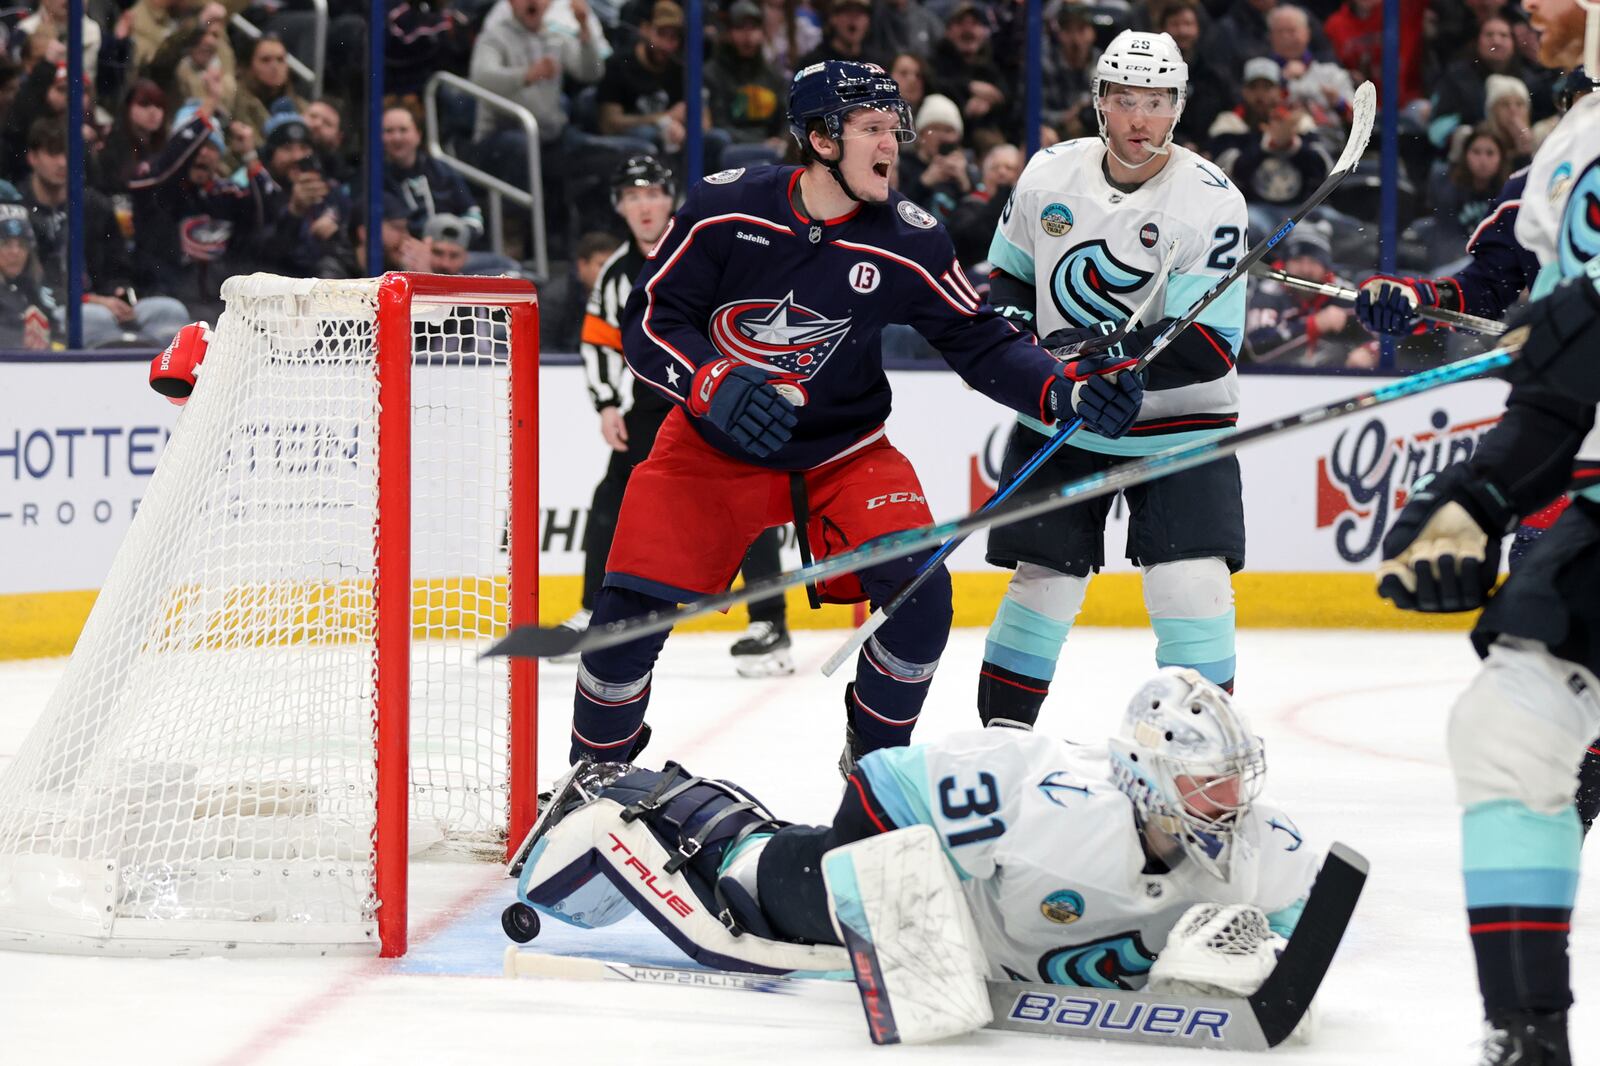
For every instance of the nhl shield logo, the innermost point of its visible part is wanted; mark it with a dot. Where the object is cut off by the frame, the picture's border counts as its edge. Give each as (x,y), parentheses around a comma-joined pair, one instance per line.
(779,336)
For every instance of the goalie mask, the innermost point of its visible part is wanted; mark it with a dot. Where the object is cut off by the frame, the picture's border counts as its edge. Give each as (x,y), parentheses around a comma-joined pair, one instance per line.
(1189,763)
(1141,61)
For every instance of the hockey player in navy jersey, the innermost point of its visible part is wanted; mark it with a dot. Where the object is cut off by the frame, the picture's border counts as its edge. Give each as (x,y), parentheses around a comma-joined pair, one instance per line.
(757,316)
(1081,243)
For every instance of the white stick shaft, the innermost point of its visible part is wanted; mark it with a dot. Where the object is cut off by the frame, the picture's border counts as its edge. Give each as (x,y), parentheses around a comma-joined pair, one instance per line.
(855,643)
(564,968)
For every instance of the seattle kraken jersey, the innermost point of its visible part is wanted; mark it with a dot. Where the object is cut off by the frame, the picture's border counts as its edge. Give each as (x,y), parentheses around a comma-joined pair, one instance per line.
(1560,223)
(741,272)
(1050,858)
(1092,251)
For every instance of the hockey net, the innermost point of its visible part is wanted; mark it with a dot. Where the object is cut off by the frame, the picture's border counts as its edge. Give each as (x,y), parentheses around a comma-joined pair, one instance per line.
(278,694)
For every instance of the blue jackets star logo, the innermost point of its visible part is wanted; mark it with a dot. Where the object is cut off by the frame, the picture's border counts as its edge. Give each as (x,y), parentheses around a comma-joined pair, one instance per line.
(777,335)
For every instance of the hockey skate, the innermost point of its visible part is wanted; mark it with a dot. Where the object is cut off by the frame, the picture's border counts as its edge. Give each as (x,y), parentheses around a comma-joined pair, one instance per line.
(763,651)
(577,623)
(1526,1038)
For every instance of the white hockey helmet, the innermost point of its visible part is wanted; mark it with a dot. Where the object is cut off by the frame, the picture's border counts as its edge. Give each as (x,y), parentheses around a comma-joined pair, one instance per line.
(1144,61)
(1188,761)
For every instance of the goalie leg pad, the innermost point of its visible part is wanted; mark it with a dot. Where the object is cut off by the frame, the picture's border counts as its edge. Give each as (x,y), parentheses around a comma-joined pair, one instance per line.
(913,946)
(602,846)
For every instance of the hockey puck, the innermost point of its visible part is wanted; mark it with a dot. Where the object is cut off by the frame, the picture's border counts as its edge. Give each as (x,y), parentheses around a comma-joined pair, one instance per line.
(520,922)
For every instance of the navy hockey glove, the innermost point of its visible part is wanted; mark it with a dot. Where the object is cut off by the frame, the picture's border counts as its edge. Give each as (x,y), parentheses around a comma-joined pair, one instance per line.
(739,400)
(1443,552)
(1387,306)
(1103,390)
(1562,351)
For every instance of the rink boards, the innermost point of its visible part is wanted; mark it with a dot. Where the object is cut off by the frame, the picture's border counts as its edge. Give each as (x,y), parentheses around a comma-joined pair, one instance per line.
(77,453)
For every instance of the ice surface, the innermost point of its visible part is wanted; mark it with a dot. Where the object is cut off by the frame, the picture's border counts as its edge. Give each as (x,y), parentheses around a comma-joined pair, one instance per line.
(1354,728)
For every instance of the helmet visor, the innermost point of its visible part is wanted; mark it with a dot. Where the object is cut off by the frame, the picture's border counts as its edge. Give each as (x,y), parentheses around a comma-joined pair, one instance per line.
(874,122)
(1150,103)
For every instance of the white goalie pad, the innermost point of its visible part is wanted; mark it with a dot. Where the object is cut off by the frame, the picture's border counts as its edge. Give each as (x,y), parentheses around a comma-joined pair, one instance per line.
(1221,950)
(914,949)
(592,853)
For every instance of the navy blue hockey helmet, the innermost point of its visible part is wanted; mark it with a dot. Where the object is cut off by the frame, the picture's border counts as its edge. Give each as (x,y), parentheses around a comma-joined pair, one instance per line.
(830,90)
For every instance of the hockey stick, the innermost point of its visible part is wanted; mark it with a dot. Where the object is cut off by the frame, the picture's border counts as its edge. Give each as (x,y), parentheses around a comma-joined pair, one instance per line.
(1261,1020)
(1364,110)
(864,632)
(542,642)
(1459,319)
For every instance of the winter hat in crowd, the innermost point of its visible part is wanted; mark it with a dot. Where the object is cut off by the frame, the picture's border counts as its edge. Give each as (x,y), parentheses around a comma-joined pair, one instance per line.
(1499,85)
(451,229)
(1262,68)
(939,110)
(285,127)
(1310,241)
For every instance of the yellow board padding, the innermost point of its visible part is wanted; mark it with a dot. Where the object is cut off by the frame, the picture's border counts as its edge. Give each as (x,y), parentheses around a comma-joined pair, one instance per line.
(43,624)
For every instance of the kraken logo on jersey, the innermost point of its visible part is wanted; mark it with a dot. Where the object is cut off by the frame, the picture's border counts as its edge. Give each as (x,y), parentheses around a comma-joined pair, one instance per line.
(1086,282)
(777,335)
(1580,222)
(1111,962)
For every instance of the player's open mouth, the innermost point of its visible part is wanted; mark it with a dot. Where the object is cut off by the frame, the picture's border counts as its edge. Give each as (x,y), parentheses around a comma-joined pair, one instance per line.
(881,169)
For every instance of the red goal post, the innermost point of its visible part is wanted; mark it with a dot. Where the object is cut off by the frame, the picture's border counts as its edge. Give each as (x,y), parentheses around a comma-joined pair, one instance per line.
(277,699)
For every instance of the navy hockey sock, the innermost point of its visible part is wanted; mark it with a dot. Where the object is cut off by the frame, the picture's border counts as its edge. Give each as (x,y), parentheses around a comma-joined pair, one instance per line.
(894,667)
(1009,695)
(1521,872)
(613,688)
(1522,957)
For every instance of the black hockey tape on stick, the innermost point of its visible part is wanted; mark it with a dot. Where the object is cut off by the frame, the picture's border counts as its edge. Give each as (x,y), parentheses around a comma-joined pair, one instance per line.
(542,642)
(1458,319)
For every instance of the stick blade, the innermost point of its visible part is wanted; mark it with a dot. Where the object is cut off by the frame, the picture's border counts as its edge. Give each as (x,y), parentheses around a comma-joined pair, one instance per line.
(536,642)
(1363,112)
(1286,994)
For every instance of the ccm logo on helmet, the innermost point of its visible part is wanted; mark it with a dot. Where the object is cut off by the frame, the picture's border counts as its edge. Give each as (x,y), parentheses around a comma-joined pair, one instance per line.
(673,901)
(895,497)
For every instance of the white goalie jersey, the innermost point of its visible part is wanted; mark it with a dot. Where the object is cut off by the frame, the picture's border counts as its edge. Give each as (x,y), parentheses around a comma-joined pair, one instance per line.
(1051,862)
(1093,250)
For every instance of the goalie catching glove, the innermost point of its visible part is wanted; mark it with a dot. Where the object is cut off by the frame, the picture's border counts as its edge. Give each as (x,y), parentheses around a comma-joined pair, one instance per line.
(1443,552)
(740,400)
(173,372)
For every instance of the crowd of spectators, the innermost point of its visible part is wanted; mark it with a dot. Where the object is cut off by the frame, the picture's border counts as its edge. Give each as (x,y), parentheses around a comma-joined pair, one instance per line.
(208,155)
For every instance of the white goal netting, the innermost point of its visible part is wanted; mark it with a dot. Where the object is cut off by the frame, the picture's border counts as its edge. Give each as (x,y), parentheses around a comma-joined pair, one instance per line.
(206,772)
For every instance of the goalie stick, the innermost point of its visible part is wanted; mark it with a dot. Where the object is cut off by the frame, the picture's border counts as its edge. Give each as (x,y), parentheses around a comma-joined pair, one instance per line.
(1002,493)
(544,641)
(1459,319)
(1261,1020)
(1363,111)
